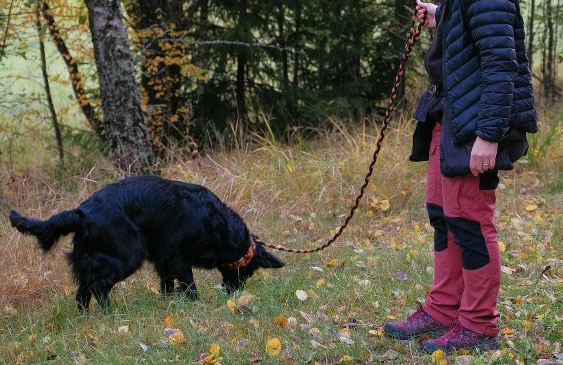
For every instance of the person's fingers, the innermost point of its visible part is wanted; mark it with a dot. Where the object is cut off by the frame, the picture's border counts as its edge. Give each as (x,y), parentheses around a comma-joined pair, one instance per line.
(492,162)
(472,166)
(480,166)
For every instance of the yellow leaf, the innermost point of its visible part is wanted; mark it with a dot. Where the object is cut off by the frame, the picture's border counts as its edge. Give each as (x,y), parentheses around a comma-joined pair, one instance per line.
(273,347)
(531,207)
(169,322)
(232,306)
(321,282)
(501,246)
(177,338)
(332,263)
(507,331)
(417,227)
(344,359)
(209,359)
(378,333)
(385,205)
(214,349)
(439,358)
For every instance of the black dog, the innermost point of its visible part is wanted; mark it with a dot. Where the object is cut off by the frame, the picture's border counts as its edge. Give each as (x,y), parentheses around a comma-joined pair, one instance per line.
(173,224)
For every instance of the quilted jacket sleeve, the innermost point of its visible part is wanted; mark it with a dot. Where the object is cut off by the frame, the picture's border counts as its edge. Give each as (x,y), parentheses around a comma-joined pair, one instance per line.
(491,25)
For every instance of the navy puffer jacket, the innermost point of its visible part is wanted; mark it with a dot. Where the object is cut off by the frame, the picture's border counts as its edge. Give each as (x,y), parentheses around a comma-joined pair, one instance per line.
(486,71)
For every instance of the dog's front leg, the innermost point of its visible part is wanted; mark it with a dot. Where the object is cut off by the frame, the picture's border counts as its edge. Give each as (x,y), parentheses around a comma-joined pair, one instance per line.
(83,297)
(187,286)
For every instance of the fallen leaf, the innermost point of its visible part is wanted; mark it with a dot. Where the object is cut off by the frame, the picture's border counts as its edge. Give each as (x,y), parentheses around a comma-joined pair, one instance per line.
(507,331)
(332,263)
(531,207)
(280,321)
(377,333)
(501,246)
(292,322)
(144,346)
(401,275)
(214,349)
(177,338)
(344,359)
(123,329)
(301,295)
(9,310)
(232,306)
(344,337)
(506,270)
(439,358)
(385,205)
(321,282)
(273,347)
(169,322)
(316,344)
(390,355)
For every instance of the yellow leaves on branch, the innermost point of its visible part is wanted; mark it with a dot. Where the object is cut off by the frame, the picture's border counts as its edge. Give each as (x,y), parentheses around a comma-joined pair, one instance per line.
(273,347)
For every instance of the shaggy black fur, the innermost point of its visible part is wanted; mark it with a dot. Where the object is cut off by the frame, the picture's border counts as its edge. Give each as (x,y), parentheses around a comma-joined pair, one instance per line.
(173,224)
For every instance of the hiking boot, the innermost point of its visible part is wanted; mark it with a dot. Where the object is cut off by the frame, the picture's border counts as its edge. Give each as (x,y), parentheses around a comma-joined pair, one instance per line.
(459,337)
(418,324)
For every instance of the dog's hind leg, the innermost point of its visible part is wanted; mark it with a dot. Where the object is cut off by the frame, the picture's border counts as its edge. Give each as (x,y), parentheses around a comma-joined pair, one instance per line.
(166,285)
(97,274)
(187,284)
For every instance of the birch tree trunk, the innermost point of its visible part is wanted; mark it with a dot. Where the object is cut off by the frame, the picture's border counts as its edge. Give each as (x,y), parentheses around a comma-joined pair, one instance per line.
(124,122)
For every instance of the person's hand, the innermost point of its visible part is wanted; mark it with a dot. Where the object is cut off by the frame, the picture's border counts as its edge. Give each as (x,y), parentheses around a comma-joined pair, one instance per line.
(430,10)
(483,156)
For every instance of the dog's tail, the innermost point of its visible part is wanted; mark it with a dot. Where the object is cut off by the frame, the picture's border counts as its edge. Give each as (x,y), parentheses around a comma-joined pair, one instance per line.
(47,232)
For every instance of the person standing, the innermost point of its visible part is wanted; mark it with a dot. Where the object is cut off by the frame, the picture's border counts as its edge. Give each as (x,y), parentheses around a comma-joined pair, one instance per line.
(472,123)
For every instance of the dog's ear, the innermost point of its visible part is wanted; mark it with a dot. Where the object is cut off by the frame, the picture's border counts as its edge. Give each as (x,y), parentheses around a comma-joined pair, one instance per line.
(269,261)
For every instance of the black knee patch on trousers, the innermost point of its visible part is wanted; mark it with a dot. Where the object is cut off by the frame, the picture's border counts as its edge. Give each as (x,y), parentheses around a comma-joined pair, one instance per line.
(436,216)
(467,233)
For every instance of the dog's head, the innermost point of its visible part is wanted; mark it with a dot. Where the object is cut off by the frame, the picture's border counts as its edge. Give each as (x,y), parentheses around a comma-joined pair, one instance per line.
(234,279)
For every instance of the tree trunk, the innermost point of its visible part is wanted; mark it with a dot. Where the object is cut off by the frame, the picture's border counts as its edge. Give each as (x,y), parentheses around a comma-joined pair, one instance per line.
(283,46)
(124,122)
(241,63)
(202,33)
(549,67)
(531,32)
(75,77)
(296,45)
(52,111)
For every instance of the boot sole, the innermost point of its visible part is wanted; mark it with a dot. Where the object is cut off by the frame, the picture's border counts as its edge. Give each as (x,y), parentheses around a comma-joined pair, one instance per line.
(433,335)
(487,346)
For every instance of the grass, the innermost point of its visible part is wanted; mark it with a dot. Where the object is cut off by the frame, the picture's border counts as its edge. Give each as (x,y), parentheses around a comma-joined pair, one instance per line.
(294,195)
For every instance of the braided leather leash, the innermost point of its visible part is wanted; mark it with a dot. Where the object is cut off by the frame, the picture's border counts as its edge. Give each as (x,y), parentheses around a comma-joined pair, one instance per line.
(414,35)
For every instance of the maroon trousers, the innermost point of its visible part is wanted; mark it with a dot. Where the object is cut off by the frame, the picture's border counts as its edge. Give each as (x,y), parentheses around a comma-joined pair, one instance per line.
(466,252)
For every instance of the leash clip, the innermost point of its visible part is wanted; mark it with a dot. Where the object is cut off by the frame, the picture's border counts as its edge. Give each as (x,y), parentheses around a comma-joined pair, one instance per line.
(436,90)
